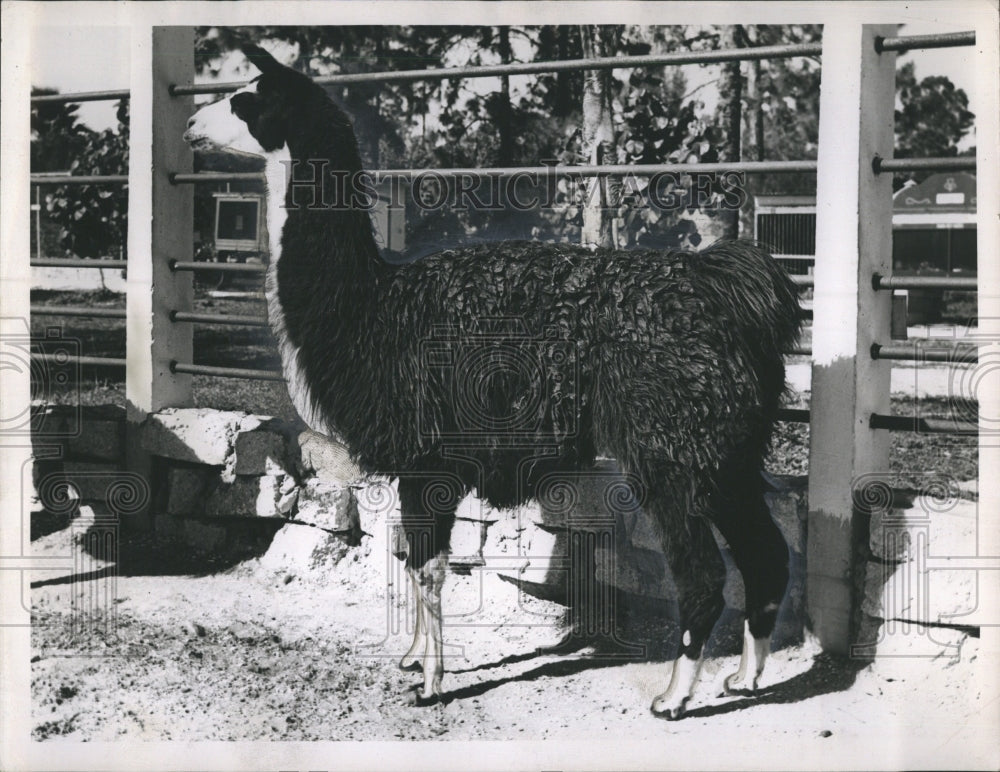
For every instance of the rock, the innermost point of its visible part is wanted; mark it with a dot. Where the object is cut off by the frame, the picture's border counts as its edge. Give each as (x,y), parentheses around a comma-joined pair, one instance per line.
(53,424)
(91,479)
(102,435)
(303,547)
(248,497)
(948,530)
(186,486)
(193,629)
(262,451)
(641,531)
(638,571)
(894,646)
(591,499)
(906,591)
(243,631)
(202,536)
(196,435)
(331,506)
(789,510)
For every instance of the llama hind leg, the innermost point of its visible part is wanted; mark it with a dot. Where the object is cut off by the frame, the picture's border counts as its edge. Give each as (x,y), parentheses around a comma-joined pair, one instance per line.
(699,574)
(761,554)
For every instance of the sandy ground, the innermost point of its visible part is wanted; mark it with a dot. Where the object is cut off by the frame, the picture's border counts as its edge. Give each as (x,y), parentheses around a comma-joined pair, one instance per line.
(183,650)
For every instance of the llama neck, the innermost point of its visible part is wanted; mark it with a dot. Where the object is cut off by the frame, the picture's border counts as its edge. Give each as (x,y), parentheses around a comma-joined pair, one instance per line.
(276,171)
(322,200)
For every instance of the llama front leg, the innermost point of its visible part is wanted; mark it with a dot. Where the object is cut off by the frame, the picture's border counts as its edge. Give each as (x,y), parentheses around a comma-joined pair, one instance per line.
(430,580)
(428,535)
(413,658)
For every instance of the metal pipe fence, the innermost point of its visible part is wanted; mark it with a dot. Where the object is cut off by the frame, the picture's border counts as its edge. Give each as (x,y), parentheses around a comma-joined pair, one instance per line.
(79,179)
(225,372)
(77,262)
(879,165)
(83,361)
(96,313)
(531,68)
(956,354)
(950,164)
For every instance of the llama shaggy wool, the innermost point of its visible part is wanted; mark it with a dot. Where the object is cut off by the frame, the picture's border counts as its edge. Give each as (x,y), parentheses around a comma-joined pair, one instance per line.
(492,368)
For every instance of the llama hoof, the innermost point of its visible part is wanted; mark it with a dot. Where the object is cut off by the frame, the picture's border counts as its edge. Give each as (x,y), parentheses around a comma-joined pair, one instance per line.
(735,685)
(669,709)
(416,698)
(411,666)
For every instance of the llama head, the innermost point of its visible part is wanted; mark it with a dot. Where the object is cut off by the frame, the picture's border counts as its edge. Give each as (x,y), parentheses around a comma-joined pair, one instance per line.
(260,118)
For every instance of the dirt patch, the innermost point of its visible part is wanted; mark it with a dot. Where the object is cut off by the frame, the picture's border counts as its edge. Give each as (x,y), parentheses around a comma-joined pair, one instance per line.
(245,653)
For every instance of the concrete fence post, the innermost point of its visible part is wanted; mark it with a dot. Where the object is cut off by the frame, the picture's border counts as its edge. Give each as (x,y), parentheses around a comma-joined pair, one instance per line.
(853,240)
(161,219)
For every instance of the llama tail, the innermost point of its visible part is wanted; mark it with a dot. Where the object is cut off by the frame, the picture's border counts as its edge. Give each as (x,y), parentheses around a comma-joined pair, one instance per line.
(761,299)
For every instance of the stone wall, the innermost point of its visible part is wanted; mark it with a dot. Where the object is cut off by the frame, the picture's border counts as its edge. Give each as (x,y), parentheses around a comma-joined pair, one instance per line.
(224,480)
(217,470)
(79,459)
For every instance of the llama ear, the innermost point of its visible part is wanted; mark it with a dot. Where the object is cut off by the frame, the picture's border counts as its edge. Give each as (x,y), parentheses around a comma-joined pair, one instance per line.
(260,58)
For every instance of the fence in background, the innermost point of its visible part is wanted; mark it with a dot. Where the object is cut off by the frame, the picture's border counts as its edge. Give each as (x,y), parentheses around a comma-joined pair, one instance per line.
(851,347)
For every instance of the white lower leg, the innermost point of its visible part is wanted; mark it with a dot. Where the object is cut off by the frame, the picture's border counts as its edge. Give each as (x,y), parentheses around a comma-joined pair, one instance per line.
(755,651)
(682,680)
(431,581)
(417,648)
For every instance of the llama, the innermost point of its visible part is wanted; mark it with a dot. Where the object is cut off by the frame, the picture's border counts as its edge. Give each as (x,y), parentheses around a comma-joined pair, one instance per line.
(489,367)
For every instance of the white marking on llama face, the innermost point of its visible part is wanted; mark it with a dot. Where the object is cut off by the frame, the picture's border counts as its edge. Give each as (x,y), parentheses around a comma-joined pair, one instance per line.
(216,126)
(276,171)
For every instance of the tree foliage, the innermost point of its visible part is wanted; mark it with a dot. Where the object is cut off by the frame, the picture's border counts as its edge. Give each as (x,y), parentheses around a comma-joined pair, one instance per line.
(92,219)
(932,119)
(767,110)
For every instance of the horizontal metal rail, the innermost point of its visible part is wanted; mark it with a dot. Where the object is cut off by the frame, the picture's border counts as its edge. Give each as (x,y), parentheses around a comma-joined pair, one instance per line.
(237,319)
(956,283)
(905,43)
(226,372)
(82,361)
(958,354)
(530,68)
(902,423)
(800,351)
(796,415)
(205,177)
(188,265)
(896,423)
(913,42)
(947,164)
(97,313)
(79,179)
(747,167)
(81,96)
(76,262)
